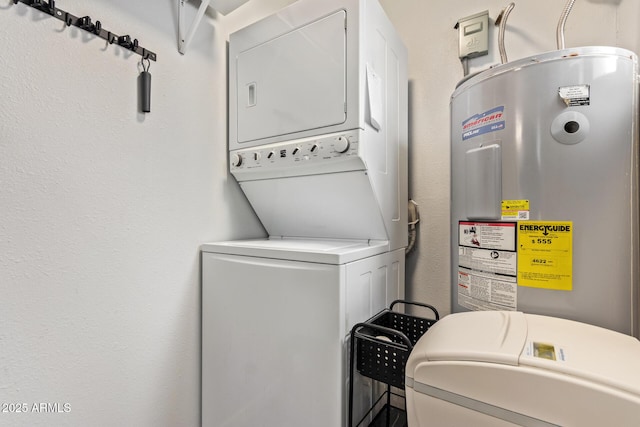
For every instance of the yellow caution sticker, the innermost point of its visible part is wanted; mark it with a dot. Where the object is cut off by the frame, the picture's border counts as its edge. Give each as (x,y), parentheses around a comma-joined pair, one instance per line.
(515,209)
(545,254)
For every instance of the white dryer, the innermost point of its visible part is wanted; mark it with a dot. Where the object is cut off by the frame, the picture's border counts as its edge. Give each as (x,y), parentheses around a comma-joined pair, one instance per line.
(318,99)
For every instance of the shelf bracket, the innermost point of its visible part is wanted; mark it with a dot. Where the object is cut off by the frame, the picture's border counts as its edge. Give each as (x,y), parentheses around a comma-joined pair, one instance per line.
(222,7)
(185,39)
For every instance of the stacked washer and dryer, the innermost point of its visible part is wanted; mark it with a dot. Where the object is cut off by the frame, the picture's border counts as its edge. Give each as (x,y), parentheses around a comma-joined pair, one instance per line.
(318,143)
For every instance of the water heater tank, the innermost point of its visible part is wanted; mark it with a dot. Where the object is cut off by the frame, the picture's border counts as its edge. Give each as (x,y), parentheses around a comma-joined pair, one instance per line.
(544,183)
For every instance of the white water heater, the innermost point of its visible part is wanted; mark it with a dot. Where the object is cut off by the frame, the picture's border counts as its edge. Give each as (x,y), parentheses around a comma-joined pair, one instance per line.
(544,203)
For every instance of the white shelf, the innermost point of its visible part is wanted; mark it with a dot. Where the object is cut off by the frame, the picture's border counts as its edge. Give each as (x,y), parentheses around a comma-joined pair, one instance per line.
(221,6)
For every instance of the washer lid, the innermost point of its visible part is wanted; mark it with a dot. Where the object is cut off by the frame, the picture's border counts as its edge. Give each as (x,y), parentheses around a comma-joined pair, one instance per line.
(310,250)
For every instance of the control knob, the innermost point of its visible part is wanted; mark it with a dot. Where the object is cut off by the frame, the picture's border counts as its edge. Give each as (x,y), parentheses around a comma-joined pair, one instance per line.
(342,144)
(236,160)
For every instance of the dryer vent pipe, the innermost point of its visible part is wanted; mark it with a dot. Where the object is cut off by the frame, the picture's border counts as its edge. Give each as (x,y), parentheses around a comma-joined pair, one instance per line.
(563,20)
(414,219)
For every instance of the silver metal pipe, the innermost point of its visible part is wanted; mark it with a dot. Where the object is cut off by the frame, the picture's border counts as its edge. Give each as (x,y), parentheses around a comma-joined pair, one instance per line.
(502,24)
(563,20)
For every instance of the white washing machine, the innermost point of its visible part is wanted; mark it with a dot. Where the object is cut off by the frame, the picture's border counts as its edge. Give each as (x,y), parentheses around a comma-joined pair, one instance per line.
(275,318)
(318,143)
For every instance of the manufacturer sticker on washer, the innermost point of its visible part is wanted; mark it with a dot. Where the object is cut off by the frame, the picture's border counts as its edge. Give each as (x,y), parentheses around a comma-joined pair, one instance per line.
(575,95)
(545,254)
(479,124)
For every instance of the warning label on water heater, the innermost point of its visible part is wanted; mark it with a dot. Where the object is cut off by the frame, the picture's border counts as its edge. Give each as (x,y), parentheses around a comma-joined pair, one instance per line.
(487,265)
(489,121)
(577,95)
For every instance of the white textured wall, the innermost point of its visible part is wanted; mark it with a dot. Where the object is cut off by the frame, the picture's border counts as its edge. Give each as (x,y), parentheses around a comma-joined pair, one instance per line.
(434,69)
(102,211)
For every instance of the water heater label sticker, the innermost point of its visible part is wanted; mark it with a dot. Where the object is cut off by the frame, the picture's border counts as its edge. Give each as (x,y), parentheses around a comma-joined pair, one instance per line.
(479,124)
(575,95)
(487,265)
(489,261)
(487,235)
(485,291)
(545,254)
(515,209)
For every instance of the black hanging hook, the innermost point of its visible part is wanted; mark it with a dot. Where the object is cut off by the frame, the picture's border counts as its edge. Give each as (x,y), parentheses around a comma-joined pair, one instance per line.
(145,69)
(97,28)
(86,24)
(125,41)
(43,6)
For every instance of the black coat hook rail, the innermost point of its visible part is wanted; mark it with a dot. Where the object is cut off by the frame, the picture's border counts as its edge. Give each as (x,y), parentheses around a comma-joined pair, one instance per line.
(85,23)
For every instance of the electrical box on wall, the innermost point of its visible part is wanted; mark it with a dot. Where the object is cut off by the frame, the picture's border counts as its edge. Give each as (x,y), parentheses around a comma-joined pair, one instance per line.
(473,35)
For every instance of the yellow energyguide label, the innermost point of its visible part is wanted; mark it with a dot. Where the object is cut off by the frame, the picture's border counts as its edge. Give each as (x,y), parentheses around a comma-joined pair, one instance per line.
(545,254)
(515,209)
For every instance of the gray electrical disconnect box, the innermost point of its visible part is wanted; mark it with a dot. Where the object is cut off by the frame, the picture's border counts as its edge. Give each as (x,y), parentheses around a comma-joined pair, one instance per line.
(473,35)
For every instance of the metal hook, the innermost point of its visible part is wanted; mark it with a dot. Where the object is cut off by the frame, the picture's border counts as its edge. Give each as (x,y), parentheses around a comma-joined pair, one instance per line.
(146,70)
(124,41)
(43,6)
(98,27)
(85,24)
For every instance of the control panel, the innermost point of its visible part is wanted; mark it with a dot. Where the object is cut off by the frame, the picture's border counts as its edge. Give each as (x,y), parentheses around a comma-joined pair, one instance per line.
(473,35)
(301,153)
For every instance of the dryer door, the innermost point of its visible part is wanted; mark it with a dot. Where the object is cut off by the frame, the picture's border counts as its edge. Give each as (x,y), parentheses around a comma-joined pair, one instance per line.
(294,82)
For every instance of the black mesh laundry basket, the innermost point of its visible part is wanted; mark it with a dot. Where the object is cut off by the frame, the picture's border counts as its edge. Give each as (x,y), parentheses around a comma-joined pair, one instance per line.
(382,344)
